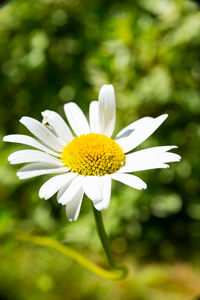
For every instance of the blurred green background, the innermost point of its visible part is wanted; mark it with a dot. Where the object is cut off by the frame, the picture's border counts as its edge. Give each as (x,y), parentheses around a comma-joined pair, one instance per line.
(56,51)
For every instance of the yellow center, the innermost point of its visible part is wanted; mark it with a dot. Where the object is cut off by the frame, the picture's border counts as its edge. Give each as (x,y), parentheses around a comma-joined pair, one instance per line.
(93,155)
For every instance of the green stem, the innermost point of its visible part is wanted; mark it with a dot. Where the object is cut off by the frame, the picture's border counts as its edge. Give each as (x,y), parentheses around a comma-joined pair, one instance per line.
(103,237)
(114,274)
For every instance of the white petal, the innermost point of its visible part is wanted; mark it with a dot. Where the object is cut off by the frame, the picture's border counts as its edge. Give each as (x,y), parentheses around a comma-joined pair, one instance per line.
(130,167)
(128,130)
(137,132)
(107,109)
(149,152)
(71,191)
(92,186)
(27,140)
(76,118)
(51,186)
(26,156)
(94,117)
(151,158)
(42,133)
(106,192)
(62,190)
(37,169)
(131,180)
(98,189)
(58,124)
(73,207)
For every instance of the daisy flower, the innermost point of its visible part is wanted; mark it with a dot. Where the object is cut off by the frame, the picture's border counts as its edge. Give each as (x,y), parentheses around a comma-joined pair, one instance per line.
(88,159)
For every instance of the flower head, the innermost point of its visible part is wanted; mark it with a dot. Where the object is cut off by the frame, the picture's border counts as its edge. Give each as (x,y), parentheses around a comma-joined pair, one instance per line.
(89,159)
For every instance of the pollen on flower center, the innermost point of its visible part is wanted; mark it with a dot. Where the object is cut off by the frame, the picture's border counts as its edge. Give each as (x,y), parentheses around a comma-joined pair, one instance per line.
(93,155)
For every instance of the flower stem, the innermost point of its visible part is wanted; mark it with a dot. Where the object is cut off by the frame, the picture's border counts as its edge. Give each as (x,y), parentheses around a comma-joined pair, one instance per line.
(114,274)
(103,237)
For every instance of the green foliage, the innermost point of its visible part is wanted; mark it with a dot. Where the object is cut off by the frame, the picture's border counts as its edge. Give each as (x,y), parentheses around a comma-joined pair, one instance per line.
(53,52)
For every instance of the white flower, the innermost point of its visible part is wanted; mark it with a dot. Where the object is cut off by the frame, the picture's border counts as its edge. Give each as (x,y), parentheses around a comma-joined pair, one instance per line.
(88,162)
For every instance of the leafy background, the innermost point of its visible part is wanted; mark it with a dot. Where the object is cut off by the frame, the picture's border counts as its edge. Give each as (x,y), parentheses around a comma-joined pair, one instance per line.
(53,52)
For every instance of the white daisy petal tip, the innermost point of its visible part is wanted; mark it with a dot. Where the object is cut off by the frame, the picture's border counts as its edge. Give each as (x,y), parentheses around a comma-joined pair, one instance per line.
(106,89)
(137,132)
(101,206)
(61,202)
(107,109)
(130,180)
(74,218)
(164,116)
(160,119)
(5,138)
(23,119)
(41,194)
(166,166)
(45,115)
(76,119)
(177,158)
(73,207)
(18,175)
(172,147)
(143,186)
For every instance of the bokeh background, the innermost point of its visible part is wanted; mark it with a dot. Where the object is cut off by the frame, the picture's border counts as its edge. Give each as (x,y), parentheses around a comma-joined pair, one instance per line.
(56,51)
